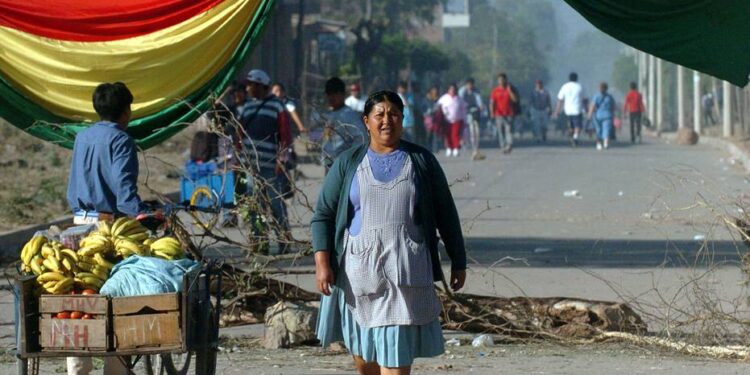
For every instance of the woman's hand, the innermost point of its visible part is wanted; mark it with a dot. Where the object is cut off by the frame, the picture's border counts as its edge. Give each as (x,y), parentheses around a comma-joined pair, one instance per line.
(457,279)
(323,272)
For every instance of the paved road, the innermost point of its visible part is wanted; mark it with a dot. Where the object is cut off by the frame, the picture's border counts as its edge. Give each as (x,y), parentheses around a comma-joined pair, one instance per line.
(629,231)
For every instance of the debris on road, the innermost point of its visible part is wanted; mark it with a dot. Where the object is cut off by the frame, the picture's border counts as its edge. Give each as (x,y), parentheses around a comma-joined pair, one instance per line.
(699,237)
(572,194)
(482,341)
(453,342)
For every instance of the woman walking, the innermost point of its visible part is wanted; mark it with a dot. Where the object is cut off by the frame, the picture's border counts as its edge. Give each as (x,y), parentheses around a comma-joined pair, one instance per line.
(602,111)
(376,259)
(454,109)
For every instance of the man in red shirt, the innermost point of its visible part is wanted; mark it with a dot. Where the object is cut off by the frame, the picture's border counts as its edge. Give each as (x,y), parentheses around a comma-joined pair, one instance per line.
(634,107)
(502,101)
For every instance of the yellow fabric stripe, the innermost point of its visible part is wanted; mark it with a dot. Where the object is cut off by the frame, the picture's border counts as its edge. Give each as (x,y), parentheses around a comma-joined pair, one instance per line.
(159,68)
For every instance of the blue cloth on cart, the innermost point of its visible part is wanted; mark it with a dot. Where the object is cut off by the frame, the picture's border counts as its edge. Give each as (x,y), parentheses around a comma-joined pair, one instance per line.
(137,276)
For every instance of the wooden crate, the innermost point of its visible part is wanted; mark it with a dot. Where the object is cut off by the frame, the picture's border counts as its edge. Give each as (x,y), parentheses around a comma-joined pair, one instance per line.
(144,322)
(74,334)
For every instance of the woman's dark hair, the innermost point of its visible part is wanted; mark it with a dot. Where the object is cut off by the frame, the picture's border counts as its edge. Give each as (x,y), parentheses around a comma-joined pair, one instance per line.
(111,100)
(633,86)
(383,96)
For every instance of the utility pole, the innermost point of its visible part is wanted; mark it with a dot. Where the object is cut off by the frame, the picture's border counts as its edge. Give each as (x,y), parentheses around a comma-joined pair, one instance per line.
(680,96)
(643,72)
(726,108)
(651,88)
(659,97)
(697,101)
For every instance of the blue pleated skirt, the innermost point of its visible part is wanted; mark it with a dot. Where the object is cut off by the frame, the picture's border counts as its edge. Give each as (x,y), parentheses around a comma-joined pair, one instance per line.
(389,346)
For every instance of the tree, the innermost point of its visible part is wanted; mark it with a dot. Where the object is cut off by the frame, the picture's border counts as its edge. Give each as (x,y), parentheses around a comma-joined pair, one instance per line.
(503,39)
(372,20)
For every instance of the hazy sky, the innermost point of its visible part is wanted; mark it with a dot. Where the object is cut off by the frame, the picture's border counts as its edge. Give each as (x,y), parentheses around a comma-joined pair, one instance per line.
(592,67)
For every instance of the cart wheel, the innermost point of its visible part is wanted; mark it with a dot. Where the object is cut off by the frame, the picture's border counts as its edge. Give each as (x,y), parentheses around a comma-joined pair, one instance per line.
(28,366)
(205,361)
(154,365)
(176,364)
(23,366)
(204,197)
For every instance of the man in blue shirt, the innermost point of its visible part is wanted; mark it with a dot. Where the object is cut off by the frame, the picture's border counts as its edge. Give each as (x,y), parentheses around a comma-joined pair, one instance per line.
(104,170)
(103,180)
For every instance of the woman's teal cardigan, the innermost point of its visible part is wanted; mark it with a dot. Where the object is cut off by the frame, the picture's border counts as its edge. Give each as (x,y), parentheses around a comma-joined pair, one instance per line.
(435,207)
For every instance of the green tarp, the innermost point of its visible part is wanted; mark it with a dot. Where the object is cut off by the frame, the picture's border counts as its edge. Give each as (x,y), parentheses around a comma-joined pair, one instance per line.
(711,36)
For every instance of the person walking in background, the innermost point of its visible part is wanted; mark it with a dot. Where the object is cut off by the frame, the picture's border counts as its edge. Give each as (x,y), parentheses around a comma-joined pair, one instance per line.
(602,112)
(433,119)
(541,109)
(344,127)
(474,107)
(570,99)
(291,108)
(266,138)
(408,99)
(708,104)
(634,108)
(502,110)
(354,100)
(374,233)
(454,110)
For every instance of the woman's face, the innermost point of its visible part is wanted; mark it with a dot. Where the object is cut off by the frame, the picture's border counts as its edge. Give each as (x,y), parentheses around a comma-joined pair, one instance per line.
(452,90)
(384,123)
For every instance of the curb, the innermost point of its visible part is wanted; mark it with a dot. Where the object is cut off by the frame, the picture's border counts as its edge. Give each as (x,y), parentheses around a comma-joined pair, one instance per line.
(735,151)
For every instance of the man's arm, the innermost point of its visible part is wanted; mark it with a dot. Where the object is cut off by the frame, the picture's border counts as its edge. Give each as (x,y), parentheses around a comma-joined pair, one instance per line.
(492,106)
(125,175)
(297,121)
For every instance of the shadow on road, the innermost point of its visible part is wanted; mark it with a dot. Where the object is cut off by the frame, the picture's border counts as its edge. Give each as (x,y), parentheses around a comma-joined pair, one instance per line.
(543,252)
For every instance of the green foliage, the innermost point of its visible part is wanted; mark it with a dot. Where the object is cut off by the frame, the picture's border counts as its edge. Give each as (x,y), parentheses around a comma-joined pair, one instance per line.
(503,38)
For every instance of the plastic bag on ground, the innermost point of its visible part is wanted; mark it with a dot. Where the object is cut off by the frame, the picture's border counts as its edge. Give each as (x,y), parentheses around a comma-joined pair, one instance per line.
(137,276)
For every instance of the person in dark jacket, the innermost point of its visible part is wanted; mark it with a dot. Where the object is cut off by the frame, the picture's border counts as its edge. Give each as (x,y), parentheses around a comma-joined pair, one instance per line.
(375,238)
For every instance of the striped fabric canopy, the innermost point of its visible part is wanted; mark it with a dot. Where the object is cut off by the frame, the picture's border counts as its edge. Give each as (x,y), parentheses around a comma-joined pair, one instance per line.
(174,55)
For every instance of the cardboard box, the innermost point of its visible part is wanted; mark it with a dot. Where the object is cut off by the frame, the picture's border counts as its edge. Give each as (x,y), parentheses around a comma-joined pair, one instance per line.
(152,321)
(73,334)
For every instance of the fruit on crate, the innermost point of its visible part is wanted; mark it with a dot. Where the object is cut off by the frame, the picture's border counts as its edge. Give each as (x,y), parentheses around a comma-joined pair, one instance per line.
(168,248)
(126,247)
(62,315)
(76,315)
(30,250)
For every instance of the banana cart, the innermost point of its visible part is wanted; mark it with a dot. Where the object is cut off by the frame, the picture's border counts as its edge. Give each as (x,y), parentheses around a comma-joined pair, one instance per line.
(195,342)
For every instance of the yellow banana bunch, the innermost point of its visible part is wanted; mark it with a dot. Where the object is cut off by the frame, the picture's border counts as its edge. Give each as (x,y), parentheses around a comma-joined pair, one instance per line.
(59,285)
(126,247)
(95,243)
(167,248)
(91,280)
(31,249)
(54,266)
(103,228)
(128,227)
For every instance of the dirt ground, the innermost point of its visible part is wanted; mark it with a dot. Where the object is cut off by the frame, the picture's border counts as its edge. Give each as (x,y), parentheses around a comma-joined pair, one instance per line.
(245,356)
(35,175)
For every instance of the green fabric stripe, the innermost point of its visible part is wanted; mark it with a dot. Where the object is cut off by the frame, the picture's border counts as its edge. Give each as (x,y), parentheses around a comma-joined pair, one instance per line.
(148,131)
(705,35)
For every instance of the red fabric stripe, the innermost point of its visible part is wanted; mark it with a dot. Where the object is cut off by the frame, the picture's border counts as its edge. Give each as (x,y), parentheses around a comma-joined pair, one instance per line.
(97,20)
